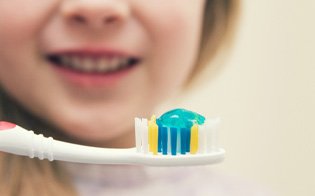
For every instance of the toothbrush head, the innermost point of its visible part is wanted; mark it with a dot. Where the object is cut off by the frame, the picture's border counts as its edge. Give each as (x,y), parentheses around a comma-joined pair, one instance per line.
(178,134)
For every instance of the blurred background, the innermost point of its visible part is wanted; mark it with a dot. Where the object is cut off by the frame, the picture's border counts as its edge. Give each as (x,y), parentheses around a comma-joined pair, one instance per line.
(265,95)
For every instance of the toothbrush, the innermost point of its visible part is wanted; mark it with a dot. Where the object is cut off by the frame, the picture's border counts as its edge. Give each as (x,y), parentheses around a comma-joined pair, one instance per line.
(153,146)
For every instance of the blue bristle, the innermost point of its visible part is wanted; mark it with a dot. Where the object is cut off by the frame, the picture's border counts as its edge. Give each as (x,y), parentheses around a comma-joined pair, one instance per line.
(173,140)
(159,139)
(164,138)
(183,137)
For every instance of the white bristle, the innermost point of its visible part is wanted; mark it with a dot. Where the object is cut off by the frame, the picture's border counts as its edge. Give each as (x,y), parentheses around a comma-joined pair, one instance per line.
(212,135)
(209,136)
(138,134)
(202,148)
(144,135)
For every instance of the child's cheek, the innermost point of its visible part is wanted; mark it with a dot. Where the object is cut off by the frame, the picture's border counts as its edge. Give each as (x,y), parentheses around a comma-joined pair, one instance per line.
(171,22)
(24,19)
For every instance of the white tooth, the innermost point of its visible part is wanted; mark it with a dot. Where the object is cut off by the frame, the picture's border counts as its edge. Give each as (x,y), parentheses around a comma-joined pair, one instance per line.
(103,64)
(91,64)
(87,64)
(123,62)
(65,60)
(75,61)
(113,63)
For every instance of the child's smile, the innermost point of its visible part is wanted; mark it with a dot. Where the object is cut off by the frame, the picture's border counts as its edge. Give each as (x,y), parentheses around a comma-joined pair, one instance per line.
(89,65)
(93,67)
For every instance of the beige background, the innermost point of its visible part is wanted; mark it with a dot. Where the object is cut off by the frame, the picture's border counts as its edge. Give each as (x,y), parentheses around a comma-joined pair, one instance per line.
(266,97)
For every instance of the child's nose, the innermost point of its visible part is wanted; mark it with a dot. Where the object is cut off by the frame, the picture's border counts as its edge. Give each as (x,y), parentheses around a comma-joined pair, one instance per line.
(95,13)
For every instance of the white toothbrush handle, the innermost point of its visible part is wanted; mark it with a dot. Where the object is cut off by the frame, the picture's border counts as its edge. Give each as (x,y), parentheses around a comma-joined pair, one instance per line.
(22,142)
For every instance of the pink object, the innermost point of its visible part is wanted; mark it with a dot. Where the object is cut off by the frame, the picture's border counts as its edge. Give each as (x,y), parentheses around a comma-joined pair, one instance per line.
(6,125)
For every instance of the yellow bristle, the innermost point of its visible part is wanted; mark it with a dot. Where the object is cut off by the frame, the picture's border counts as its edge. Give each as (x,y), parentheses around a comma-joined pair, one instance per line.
(155,138)
(194,139)
(152,136)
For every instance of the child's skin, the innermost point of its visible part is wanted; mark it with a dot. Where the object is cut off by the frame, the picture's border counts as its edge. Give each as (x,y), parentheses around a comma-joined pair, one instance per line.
(164,35)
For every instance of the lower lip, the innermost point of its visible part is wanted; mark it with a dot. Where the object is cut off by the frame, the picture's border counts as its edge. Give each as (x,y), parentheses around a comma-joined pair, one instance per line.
(90,80)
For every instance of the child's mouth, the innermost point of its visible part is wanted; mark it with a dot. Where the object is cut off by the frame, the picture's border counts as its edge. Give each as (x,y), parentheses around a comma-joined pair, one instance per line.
(92,65)
(91,70)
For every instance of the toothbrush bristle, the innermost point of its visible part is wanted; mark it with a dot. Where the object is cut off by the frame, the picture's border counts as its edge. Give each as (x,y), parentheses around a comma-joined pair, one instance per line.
(154,138)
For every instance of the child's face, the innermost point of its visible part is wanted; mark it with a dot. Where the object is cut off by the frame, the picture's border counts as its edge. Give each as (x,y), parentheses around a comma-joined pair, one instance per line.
(45,43)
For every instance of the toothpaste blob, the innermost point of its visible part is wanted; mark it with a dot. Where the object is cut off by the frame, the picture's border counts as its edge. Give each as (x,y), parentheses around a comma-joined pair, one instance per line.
(177,132)
(180,118)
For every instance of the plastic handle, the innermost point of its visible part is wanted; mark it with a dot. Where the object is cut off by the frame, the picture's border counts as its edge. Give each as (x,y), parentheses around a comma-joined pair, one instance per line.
(22,142)
(6,125)
(18,141)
